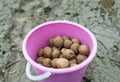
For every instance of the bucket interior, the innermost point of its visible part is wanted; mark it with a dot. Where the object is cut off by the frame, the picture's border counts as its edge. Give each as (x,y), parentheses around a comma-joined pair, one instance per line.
(40,37)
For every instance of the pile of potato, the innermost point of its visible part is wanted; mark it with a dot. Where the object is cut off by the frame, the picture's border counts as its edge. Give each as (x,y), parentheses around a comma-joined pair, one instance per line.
(63,52)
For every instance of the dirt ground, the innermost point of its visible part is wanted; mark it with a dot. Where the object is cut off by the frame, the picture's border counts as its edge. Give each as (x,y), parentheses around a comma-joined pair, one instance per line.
(18,17)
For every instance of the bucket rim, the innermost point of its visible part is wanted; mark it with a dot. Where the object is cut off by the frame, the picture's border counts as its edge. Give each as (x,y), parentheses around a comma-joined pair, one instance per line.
(63,70)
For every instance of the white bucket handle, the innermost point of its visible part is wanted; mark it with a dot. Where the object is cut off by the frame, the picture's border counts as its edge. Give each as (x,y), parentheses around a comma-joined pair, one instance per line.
(36,78)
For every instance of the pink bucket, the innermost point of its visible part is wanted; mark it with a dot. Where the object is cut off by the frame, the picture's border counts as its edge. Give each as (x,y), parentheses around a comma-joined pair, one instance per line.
(38,38)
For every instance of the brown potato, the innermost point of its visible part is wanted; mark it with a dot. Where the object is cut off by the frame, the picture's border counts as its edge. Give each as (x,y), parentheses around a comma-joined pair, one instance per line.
(62,63)
(46,62)
(47,52)
(65,38)
(67,43)
(84,49)
(75,47)
(53,62)
(73,61)
(51,42)
(55,53)
(73,64)
(40,52)
(74,40)
(68,54)
(40,60)
(80,58)
(58,42)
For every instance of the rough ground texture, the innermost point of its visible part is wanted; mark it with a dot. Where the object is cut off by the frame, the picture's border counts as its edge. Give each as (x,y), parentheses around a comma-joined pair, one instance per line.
(18,17)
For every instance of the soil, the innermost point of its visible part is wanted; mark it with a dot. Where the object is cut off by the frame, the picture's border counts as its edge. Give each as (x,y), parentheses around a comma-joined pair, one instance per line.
(18,17)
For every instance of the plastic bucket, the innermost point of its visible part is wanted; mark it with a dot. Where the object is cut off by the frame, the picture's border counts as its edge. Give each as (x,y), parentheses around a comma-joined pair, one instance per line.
(38,38)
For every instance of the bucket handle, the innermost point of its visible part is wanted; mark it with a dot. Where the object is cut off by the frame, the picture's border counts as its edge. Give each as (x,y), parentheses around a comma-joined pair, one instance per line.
(38,77)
